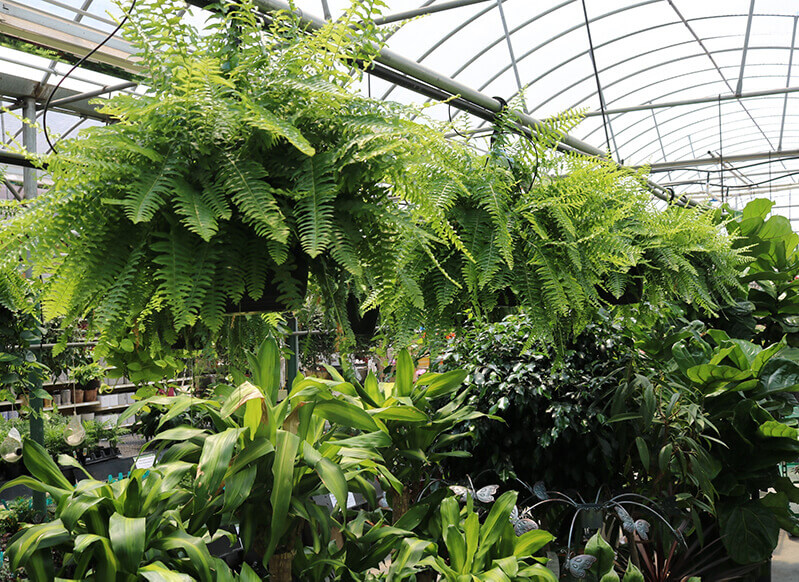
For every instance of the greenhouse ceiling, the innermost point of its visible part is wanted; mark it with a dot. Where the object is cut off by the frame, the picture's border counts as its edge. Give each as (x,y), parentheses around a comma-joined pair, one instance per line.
(703,92)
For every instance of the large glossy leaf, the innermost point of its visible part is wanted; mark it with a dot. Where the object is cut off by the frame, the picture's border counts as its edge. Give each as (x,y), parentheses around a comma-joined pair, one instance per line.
(401,413)
(456,546)
(127,535)
(35,538)
(329,472)
(530,542)
(195,549)
(158,572)
(497,520)
(602,551)
(238,487)
(286,447)
(216,455)
(749,532)
(242,393)
(773,428)
(265,368)
(403,381)
(346,414)
(713,374)
(42,466)
(781,372)
(444,384)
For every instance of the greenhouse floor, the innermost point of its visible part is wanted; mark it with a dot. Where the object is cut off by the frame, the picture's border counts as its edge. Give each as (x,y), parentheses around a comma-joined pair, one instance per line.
(785,563)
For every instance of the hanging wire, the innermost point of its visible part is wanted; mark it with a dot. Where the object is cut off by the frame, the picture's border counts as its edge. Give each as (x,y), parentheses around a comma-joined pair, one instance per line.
(75,66)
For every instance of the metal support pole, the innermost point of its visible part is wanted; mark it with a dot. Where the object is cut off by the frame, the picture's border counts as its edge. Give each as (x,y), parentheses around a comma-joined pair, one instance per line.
(293,365)
(30,189)
(787,82)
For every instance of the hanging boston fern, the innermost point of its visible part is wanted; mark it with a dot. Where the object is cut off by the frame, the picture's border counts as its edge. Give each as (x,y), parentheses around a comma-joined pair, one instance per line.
(251,166)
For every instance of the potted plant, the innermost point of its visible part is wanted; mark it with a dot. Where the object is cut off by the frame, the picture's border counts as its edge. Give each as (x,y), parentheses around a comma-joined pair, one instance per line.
(87,381)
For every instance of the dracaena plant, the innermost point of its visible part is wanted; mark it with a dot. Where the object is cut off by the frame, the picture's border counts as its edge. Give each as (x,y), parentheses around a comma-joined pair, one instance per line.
(459,546)
(135,528)
(417,418)
(261,462)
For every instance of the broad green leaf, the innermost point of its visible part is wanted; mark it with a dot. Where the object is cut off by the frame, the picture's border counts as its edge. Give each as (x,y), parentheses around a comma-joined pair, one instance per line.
(127,535)
(216,454)
(403,381)
(42,466)
(497,520)
(530,542)
(603,552)
(456,546)
(35,538)
(238,487)
(632,574)
(244,392)
(643,452)
(157,572)
(346,414)
(401,413)
(772,428)
(195,549)
(749,532)
(265,367)
(286,447)
(444,384)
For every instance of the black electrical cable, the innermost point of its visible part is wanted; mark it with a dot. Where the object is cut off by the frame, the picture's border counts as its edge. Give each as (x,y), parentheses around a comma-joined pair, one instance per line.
(745,186)
(75,66)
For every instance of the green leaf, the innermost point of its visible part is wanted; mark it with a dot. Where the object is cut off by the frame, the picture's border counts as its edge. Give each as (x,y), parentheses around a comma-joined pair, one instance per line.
(42,466)
(401,413)
(345,414)
(158,572)
(633,574)
(403,381)
(749,532)
(35,538)
(216,454)
(603,552)
(530,542)
(643,452)
(775,429)
(286,448)
(127,535)
(238,397)
(265,120)
(444,384)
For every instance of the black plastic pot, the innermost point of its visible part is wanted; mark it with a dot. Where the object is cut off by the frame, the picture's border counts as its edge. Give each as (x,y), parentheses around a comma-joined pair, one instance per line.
(362,325)
(632,293)
(270,300)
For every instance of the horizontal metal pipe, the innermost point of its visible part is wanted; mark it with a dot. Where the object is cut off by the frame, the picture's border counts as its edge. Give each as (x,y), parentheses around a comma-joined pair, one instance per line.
(713,99)
(425,10)
(91,94)
(711,161)
(15,159)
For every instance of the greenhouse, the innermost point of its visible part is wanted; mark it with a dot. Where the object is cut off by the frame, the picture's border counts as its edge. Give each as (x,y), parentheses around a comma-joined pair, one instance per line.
(399,291)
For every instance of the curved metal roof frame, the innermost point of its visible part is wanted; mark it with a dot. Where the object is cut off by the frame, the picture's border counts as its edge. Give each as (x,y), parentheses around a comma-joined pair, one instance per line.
(646,52)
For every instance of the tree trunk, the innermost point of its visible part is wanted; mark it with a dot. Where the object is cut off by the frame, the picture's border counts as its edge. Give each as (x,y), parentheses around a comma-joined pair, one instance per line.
(280,567)
(400,503)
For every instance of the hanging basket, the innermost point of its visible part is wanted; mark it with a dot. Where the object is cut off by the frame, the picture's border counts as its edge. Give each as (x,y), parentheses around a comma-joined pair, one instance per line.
(271,300)
(633,292)
(361,325)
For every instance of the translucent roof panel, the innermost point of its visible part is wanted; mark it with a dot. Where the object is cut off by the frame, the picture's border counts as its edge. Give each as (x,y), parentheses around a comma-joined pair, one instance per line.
(704,91)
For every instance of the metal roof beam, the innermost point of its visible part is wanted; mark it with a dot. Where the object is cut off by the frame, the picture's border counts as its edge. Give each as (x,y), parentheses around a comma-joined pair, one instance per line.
(788,82)
(37,27)
(475,99)
(425,10)
(698,100)
(740,85)
(666,166)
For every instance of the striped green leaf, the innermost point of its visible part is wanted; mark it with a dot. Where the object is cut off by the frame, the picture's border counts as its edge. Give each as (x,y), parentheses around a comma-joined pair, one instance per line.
(127,535)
